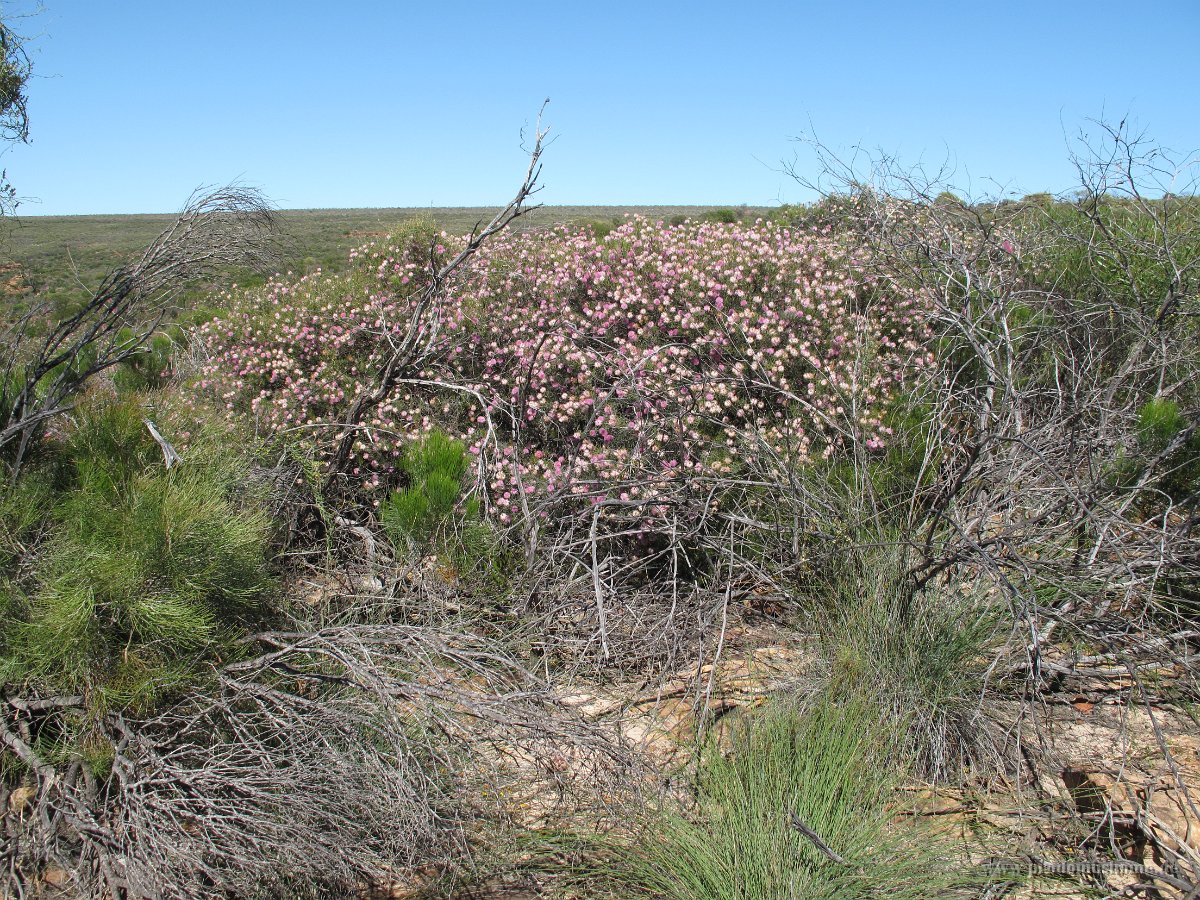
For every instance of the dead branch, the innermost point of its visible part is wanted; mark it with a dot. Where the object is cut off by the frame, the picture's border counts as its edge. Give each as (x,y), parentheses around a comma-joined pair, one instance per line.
(411,351)
(334,759)
(41,375)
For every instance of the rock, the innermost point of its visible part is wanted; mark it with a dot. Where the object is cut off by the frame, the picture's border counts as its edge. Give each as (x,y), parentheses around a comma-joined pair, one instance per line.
(20,798)
(56,877)
(368,584)
(589,706)
(1151,807)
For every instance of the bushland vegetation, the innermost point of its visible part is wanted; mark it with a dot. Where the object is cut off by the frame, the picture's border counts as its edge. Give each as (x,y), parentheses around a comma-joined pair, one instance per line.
(58,258)
(292,602)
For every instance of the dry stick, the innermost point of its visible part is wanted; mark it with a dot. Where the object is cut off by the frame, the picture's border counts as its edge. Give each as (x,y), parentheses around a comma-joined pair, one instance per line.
(815,839)
(599,588)
(412,349)
(1163,746)
(25,753)
(518,421)
(44,703)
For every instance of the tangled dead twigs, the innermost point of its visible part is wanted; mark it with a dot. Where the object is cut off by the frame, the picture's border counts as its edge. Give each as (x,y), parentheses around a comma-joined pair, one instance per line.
(43,366)
(1029,418)
(1011,484)
(1037,479)
(332,759)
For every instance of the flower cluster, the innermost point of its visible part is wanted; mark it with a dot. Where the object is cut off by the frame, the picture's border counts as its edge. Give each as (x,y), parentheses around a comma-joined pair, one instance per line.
(600,367)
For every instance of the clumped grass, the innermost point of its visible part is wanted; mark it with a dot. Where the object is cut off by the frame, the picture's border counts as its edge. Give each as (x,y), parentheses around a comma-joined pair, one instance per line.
(144,570)
(826,768)
(922,656)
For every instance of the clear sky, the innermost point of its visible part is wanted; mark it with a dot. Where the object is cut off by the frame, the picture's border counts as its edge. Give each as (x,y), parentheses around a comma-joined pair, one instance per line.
(373,104)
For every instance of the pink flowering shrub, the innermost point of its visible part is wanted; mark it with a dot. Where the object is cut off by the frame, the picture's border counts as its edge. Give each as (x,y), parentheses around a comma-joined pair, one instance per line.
(576,365)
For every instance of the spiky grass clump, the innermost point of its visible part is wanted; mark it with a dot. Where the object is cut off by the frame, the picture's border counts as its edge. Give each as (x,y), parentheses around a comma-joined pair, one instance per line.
(922,656)
(435,467)
(823,769)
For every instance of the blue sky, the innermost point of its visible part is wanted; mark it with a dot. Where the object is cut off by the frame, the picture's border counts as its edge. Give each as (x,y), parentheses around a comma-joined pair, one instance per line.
(373,104)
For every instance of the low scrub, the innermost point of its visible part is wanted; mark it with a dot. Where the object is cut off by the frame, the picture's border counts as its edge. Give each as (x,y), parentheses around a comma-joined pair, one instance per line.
(144,571)
(584,365)
(801,805)
(952,442)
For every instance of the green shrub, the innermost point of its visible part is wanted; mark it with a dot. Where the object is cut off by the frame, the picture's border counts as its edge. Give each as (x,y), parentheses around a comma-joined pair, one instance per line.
(10,385)
(1160,422)
(1042,200)
(1107,251)
(435,467)
(405,514)
(790,214)
(151,367)
(431,513)
(109,445)
(908,465)
(722,216)
(414,238)
(826,768)
(146,570)
(22,513)
(601,228)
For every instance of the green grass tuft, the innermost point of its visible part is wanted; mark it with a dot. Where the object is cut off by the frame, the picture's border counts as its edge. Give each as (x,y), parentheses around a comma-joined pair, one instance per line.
(825,767)
(921,656)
